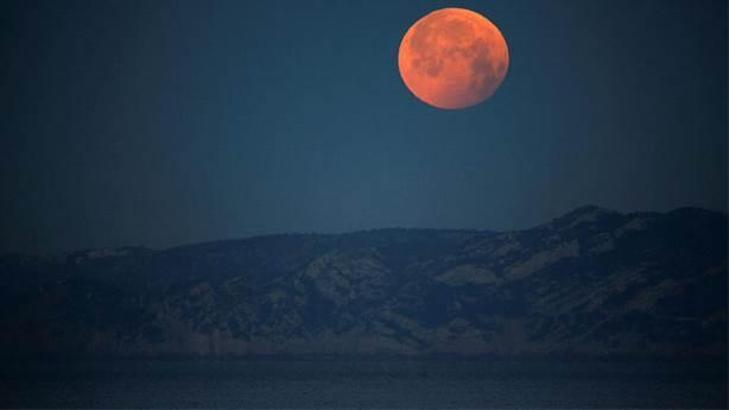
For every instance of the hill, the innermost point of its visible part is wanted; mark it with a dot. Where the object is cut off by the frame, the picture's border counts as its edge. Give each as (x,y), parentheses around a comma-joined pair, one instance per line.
(593,282)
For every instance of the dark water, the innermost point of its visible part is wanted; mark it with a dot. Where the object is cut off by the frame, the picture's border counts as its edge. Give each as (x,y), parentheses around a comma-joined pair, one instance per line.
(358,384)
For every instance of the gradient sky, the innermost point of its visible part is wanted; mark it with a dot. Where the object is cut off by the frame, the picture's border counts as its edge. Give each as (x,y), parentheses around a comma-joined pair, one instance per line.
(167,122)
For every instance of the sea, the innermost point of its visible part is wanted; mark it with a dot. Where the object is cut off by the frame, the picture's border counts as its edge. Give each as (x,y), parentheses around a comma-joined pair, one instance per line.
(367,383)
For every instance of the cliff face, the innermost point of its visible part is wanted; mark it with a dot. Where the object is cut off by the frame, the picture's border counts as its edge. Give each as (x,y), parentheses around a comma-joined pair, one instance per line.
(592,282)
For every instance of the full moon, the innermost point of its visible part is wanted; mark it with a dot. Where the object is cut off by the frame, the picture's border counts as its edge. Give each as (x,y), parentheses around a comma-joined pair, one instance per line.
(453,58)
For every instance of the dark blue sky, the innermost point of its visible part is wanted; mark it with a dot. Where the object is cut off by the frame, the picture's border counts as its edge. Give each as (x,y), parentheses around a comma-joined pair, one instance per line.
(167,122)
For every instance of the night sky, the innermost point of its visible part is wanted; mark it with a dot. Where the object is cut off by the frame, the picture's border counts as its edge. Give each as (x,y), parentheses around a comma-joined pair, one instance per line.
(160,123)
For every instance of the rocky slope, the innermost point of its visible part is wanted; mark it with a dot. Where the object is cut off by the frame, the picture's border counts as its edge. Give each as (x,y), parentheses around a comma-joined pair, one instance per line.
(592,282)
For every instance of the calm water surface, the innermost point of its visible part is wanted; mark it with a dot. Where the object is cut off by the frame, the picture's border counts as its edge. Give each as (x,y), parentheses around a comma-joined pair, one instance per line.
(360,384)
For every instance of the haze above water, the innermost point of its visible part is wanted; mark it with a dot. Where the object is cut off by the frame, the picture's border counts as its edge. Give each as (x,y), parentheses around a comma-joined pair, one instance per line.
(451,384)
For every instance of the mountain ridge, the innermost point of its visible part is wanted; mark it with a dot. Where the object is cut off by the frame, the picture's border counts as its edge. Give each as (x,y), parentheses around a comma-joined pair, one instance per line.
(591,282)
(144,248)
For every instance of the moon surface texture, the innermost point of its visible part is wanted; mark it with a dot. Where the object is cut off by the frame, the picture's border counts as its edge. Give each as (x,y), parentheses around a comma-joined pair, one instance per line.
(453,58)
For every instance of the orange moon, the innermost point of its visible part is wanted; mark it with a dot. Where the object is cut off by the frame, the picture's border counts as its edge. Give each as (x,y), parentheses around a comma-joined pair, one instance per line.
(453,58)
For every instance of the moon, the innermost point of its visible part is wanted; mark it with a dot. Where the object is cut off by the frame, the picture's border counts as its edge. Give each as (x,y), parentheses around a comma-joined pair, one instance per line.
(453,58)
